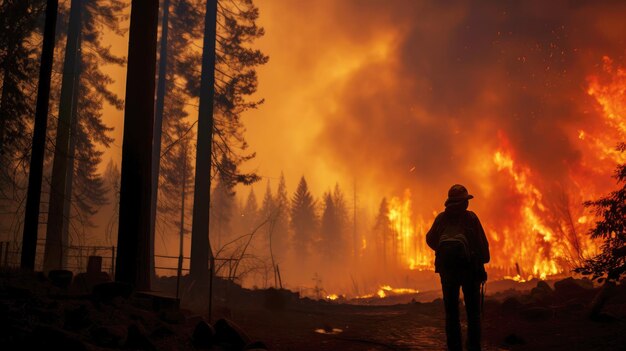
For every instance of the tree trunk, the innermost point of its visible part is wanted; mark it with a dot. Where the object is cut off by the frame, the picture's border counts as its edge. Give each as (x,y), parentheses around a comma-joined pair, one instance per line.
(158,126)
(201,251)
(133,241)
(71,154)
(182,222)
(55,242)
(33,199)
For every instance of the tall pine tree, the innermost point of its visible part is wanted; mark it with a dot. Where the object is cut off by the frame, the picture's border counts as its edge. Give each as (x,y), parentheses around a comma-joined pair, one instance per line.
(84,90)
(133,248)
(303,220)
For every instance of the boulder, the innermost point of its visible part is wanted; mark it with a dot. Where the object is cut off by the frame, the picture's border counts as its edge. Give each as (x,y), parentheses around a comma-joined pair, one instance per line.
(203,335)
(161,332)
(571,285)
(60,278)
(84,283)
(172,316)
(542,293)
(229,334)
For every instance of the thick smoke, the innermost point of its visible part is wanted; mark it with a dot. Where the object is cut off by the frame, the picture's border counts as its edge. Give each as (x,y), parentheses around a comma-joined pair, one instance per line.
(462,79)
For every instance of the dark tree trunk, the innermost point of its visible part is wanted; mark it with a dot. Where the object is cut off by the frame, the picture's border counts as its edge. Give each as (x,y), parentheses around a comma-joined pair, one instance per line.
(55,242)
(71,158)
(158,126)
(183,193)
(201,251)
(133,241)
(31,218)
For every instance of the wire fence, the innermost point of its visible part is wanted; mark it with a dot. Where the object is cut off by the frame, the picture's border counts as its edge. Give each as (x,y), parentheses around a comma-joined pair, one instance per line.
(78,256)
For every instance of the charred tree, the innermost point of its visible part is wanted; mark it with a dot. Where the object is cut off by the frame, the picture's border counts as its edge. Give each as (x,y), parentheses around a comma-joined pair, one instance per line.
(55,242)
(71,155)
(201,251)
(382,230)
(133,261)
(31,218)
(158,124)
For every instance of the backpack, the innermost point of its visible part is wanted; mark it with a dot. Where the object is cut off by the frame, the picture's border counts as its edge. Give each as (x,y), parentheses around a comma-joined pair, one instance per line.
(453,252)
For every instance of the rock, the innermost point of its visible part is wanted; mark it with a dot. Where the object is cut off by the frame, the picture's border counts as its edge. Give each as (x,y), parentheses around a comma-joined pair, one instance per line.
(106,292)
(203,335)
(49,338)
(107,336)
(137,339)
(511,304)
(229,334)
(256,345)
(543,286)
(571,285)
(513,339)
(536,314)
(437,302)
(161,332)
(60,278)
(84,283)
(172,316)
(542,293)
(76,318)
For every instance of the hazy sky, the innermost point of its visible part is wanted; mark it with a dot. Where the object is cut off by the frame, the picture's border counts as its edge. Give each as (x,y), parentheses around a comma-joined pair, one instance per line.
(420,94)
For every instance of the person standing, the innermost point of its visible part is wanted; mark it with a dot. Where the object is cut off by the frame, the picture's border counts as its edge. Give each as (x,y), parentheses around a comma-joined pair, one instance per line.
(461,251)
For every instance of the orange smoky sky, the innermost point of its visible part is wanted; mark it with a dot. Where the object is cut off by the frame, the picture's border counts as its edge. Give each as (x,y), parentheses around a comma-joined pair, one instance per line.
(419,95)
(523,102)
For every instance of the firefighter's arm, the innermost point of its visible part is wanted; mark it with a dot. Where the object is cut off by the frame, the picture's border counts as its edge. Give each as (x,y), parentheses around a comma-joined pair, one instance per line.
(432,237)
(484,244)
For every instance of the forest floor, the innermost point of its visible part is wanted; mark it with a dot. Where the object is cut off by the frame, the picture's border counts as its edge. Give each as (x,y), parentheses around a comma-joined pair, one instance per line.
(420,326)
(36,315)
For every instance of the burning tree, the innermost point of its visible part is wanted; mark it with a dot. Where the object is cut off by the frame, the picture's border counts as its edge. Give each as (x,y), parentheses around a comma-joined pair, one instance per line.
(610,263)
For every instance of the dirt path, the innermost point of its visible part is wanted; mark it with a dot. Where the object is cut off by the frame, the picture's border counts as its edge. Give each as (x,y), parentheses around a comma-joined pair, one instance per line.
(344,327)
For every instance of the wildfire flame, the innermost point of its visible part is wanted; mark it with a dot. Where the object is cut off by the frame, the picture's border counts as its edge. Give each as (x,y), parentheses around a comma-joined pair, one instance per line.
(410,239)
(540,239)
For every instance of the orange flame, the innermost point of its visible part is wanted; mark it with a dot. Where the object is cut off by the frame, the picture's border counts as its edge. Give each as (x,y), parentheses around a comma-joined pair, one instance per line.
(412,251)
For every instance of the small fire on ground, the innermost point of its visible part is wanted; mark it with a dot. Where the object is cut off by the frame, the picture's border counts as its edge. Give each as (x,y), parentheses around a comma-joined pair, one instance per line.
(383,291)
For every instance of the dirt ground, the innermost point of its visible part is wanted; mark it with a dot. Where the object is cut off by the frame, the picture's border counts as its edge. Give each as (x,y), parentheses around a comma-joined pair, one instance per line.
(421,327)
(36,315)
